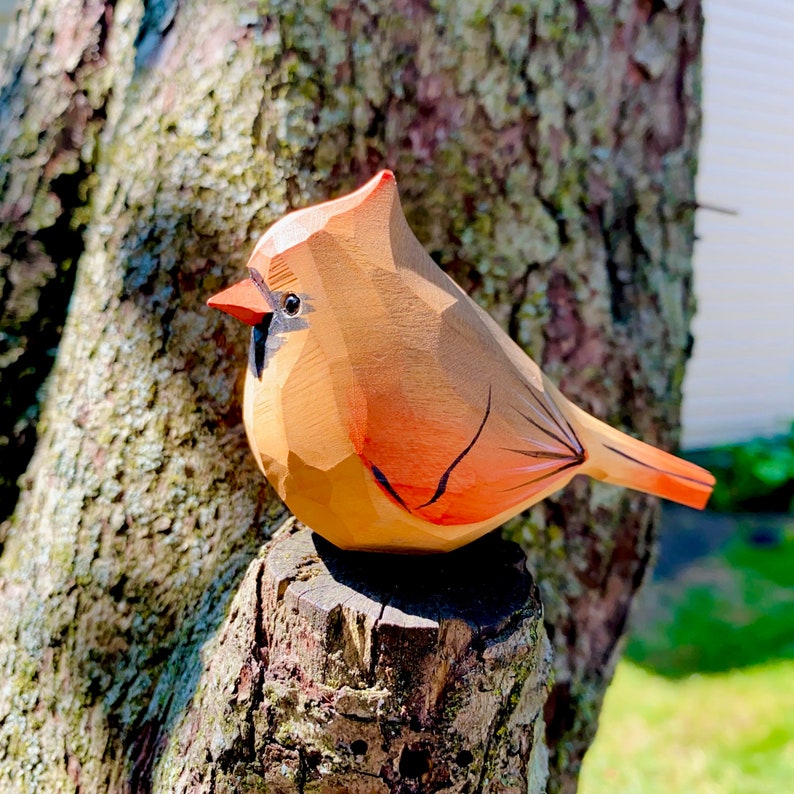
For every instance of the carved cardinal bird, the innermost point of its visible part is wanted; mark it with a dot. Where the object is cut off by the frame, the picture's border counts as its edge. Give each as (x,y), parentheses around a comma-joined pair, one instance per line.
(387,409)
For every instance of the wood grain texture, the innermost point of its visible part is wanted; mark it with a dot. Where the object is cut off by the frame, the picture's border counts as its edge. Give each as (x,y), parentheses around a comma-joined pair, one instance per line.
(387,409)
(547,152)
(373,673)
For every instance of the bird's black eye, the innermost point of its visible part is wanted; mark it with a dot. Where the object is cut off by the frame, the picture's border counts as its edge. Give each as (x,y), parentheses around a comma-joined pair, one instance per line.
(291,304)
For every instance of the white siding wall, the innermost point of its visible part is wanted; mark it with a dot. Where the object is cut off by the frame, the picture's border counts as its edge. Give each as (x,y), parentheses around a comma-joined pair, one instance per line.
(740,382)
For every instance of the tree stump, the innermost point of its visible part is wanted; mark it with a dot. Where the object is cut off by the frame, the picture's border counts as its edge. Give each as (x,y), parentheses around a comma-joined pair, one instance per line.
(374,673)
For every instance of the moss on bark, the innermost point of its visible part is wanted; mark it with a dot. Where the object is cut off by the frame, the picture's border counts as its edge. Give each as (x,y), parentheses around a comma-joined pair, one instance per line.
(546,154)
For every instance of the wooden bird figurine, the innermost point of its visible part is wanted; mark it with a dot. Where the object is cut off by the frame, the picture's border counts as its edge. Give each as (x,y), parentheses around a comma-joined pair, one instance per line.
(388,410)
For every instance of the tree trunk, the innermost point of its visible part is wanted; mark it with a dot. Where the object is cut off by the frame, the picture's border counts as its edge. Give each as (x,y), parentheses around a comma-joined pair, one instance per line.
(546,156)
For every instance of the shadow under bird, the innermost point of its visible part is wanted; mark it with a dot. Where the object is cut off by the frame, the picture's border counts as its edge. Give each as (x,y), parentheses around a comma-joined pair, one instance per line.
(388,410)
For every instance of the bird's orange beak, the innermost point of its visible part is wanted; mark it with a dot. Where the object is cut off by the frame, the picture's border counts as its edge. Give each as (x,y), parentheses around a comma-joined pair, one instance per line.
(242,300)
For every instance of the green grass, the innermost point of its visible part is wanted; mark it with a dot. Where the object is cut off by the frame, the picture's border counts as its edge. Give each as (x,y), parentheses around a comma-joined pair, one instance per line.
(754,476)
(731,733)
(704,702)
(731,610)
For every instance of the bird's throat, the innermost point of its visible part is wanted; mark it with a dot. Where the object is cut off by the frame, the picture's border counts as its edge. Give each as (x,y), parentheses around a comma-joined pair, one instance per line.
(259,344)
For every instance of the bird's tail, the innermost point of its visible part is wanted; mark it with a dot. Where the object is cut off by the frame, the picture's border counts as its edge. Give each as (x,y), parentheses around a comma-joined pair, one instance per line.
(617,458)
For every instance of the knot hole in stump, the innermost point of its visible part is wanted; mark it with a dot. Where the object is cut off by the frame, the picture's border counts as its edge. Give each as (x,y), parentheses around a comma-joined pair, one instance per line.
(415,761)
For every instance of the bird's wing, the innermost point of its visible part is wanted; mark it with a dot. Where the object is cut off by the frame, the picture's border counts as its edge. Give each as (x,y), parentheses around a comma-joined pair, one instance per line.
(452,473)
(456,433)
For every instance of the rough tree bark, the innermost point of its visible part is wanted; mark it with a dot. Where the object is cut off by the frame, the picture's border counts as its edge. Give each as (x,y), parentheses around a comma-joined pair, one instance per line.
(361,673)
(546,156)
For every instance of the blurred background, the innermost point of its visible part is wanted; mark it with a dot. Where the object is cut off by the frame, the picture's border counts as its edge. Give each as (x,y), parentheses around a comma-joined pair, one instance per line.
(704,700)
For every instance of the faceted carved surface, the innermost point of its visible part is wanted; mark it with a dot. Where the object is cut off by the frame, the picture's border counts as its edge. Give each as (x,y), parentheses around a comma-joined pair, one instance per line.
(388,410)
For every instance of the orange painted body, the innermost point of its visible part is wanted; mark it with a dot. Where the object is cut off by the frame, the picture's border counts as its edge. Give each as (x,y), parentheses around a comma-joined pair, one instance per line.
(387,409)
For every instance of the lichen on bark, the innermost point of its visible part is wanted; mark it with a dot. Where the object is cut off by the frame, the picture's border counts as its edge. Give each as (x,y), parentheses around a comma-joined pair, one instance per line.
(371,673)
(546,157)
(54,85)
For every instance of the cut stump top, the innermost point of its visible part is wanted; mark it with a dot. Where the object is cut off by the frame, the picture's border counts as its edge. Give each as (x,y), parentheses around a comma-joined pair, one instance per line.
(485,584)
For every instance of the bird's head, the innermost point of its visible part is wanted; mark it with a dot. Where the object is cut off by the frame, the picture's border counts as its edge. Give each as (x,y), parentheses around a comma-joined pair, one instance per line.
(299,252)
